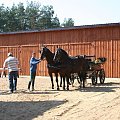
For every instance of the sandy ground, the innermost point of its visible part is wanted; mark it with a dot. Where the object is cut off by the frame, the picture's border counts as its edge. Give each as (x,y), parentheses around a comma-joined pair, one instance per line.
(100,102)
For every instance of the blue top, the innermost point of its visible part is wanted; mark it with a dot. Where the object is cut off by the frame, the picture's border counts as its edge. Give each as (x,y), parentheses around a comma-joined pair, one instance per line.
(33,64)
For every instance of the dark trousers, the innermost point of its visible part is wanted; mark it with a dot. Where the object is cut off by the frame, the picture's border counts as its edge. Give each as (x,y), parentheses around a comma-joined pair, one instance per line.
(32,80)
(12,76)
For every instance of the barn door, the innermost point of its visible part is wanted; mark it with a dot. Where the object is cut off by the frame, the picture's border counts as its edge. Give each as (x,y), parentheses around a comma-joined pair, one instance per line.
(81,49)
(15,50)
(74,49)
(115,59)
(26,52)
(3,54)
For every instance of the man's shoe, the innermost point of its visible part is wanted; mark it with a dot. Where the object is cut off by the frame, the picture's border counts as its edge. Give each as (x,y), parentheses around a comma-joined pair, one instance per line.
(10,92)
(28,90)
(15,91)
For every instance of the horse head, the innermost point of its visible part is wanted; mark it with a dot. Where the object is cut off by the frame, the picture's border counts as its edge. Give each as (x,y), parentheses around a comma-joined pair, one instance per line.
(46,54)
(60,55)
(43,52)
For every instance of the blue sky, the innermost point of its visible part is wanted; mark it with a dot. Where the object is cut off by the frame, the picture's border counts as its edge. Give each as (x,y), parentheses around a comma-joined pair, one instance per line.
(83,12)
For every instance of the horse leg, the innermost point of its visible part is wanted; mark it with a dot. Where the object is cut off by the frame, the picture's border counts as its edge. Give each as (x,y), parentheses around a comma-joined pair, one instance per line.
(63,82)
(60,81)
(70,83)
(50,74)
(67,80)
(82,79)
(57,81)
(67,83)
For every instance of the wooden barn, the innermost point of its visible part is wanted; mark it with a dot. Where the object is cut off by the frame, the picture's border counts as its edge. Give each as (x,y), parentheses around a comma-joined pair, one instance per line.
(101,40)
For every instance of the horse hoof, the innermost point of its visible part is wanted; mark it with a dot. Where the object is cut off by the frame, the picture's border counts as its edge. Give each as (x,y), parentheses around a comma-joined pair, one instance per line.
(58,88)
(63,88)
(52,87)
(72,85)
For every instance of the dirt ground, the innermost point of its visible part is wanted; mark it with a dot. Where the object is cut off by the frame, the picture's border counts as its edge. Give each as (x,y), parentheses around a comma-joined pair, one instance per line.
(100,102)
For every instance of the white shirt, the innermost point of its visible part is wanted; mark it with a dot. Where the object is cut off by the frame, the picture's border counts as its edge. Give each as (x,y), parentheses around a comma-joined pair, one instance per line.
(12,63)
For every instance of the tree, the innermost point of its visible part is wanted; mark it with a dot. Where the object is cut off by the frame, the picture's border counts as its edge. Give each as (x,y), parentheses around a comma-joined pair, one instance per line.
(33,17)
(68,23)
(55,22)
(3,18)
(13,18)
(21,18)
(47,19)
(32,13)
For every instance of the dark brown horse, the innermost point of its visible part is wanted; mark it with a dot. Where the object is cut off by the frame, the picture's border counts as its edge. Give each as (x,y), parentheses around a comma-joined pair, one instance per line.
(71,65)
(51,65)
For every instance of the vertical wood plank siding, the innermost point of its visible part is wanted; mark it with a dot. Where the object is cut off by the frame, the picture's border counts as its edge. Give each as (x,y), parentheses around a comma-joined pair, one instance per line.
(102,41)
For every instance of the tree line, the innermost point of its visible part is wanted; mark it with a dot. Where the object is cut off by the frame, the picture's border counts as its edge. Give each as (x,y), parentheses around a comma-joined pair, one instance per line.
(32,17)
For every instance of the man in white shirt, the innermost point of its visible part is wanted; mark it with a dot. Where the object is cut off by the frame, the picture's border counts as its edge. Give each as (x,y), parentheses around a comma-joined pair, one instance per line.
(12,64)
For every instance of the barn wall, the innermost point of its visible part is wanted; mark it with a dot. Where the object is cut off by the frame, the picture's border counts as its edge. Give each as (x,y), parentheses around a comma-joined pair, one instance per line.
(99,41)
(110,50)
(61,36)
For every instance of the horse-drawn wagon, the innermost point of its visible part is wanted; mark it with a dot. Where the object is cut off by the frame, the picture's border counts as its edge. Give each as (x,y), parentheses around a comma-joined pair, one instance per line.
(73,67)
(95,71)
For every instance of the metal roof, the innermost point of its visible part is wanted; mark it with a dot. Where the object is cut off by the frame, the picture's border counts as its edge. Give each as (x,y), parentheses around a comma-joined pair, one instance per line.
(66,28)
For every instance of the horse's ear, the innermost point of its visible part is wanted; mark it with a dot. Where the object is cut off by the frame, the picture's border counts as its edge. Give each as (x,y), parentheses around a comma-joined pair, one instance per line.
(42,45)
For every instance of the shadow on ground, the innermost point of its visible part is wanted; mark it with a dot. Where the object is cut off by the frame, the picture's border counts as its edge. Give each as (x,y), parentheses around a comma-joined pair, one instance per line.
(26,110)
(106,87)
(6,92)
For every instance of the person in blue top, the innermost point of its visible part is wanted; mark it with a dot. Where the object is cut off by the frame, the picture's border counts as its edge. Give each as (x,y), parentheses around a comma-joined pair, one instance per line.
(33,68)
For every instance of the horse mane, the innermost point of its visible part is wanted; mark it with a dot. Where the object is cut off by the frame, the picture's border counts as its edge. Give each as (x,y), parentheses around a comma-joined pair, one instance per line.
(63,51)
(46,49)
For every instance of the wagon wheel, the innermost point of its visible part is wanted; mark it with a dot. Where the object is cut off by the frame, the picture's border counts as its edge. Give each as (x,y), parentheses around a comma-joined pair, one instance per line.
(102,76)
(78,79)
(94,81)
(94,78)
(72,79)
